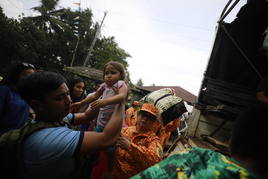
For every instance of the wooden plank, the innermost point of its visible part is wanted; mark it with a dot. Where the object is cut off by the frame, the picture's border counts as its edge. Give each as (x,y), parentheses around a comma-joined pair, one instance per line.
(206,129)
(216,121)
(193,122)
(198,142)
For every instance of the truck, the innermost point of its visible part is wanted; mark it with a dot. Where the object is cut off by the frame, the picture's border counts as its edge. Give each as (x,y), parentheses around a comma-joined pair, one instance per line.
(237,62)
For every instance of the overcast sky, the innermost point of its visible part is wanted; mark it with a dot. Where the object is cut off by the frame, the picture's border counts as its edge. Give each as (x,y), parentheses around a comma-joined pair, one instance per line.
(169,40)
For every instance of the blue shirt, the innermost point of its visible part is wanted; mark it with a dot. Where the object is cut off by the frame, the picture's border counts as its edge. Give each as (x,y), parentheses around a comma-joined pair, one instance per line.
(14,111)
(49,153)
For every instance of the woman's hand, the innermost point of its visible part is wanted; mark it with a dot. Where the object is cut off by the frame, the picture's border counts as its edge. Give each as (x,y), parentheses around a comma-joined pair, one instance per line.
(98,104)
(76,105)
(123,142)
(99,91)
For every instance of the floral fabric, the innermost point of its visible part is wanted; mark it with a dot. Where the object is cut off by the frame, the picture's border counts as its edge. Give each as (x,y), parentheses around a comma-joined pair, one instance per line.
(145,150)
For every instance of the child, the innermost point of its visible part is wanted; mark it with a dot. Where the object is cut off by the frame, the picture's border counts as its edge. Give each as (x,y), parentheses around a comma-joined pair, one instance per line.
(114,92)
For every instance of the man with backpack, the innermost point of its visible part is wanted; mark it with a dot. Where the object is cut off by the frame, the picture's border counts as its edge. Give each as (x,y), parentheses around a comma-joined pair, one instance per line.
(46,147)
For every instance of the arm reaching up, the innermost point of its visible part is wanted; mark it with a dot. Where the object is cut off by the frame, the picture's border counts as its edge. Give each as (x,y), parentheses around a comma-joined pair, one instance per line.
(91,98)
(94,141)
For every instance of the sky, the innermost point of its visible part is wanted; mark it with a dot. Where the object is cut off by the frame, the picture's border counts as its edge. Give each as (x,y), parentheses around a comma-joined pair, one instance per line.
(169,41)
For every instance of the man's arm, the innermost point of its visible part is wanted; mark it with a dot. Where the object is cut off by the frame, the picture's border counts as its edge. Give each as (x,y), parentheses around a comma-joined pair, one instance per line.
(87,100)
(90,98)
(95,141)
(85,117)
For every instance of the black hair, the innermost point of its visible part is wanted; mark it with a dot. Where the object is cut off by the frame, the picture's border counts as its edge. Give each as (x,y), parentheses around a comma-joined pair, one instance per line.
(118,66)
(71,83)
(249,137)
(38,85)
(12,75)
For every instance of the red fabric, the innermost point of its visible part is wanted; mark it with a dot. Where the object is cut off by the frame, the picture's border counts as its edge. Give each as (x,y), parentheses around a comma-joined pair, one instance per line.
(101,167)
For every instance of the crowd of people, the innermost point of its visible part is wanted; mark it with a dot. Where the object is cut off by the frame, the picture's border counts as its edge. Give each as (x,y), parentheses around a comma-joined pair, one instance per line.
(74,135)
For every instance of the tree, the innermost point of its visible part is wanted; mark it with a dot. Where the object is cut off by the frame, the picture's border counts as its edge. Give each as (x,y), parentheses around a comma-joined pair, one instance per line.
(49,39)
(140,83)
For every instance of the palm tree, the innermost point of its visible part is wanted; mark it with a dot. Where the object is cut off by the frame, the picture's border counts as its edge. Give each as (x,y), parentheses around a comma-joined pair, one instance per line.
(49,20)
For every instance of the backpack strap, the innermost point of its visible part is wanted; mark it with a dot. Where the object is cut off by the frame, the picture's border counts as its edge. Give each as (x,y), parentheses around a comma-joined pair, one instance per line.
(11,145)
(32,126)
(28,129)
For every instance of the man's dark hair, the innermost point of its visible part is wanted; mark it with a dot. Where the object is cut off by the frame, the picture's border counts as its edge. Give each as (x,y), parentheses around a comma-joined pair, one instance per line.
(12,76)
(39,84)
(249,137)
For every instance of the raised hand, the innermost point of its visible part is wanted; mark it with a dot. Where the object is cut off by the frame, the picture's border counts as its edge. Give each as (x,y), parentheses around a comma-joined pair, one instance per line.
(99,91)
(123,142)
(115,89)
(75,106)
(98,104)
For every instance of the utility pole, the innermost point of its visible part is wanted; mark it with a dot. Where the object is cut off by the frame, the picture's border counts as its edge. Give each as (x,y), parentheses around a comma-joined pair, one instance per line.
(94,41)
(78,37)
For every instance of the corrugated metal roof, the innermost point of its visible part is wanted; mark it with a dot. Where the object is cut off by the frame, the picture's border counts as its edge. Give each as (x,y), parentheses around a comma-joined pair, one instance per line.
(91,73)
(180,92)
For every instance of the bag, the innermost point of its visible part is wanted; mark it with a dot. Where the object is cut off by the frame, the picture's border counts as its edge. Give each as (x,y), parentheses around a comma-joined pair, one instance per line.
(11,147)
(170,106)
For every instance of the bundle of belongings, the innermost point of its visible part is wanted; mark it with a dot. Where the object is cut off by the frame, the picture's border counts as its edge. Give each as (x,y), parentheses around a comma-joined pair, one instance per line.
(170,106)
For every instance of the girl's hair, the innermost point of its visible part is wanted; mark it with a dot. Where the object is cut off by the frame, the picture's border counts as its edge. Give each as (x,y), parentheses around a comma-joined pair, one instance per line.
(12,76)
(71,83)
(118,66)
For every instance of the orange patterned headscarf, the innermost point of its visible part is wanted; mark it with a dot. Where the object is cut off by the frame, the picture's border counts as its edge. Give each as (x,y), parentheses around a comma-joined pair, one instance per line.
(150,109)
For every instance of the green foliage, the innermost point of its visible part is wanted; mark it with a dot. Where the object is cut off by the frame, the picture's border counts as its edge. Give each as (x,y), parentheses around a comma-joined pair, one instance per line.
(140,83)
(49,39)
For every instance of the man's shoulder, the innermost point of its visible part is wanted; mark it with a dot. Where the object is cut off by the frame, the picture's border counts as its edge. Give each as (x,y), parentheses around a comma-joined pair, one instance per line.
(52,141)
(52,135)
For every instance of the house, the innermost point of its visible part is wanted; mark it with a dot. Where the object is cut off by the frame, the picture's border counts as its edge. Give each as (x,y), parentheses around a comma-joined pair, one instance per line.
(90,73)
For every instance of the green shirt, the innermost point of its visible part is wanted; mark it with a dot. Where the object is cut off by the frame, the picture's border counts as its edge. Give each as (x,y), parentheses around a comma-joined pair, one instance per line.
(198,163)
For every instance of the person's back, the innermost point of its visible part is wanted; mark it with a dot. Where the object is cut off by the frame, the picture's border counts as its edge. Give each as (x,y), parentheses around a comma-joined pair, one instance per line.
(14,111)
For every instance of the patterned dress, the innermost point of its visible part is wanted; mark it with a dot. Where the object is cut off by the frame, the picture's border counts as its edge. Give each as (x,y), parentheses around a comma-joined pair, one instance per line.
(145,150)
